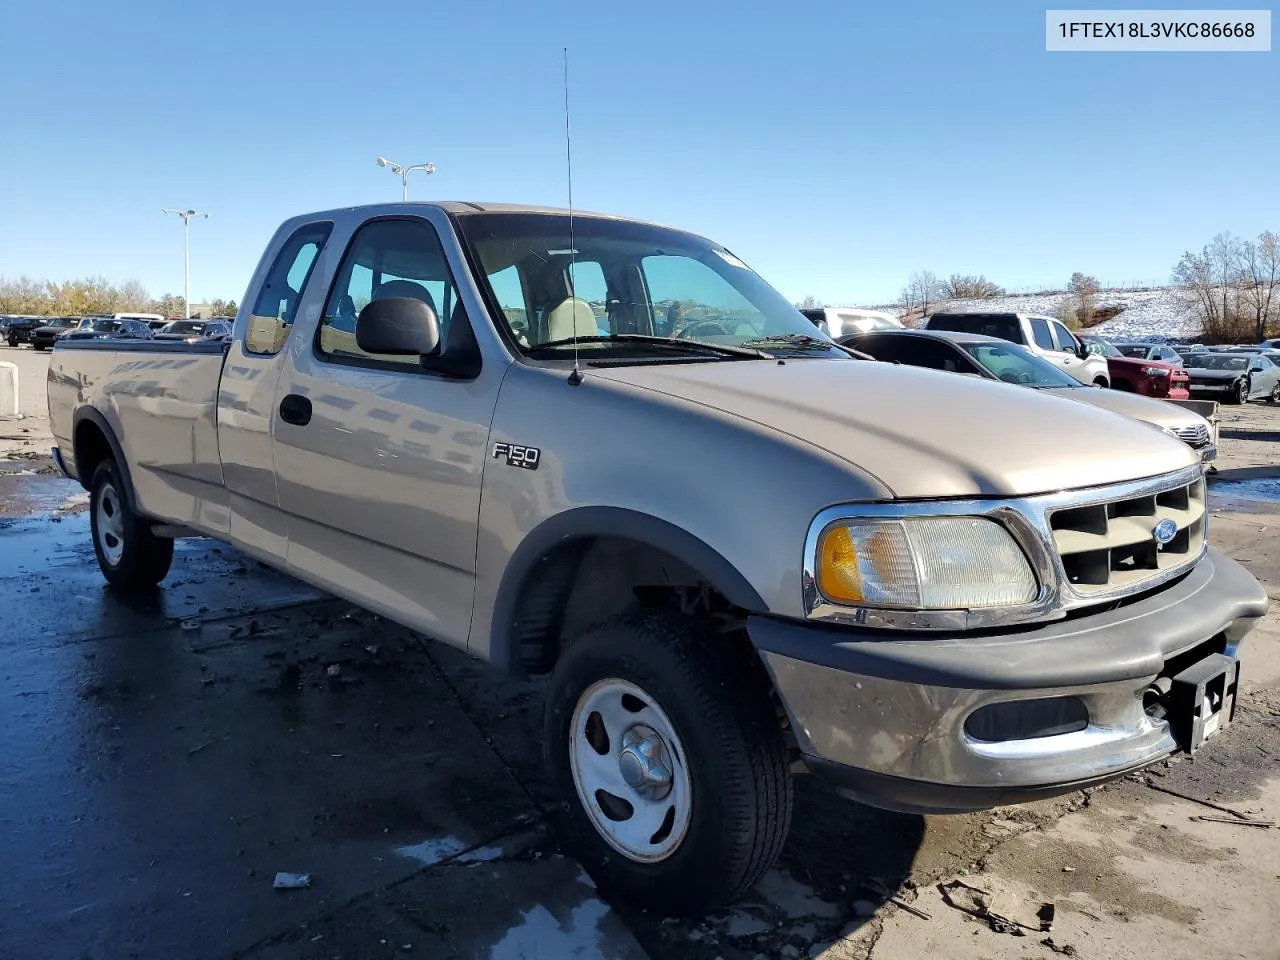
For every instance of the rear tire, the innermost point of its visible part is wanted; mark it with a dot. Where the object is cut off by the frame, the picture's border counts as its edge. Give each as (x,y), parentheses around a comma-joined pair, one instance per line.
(1274,395)
(701,715)
(1101,382)
(130,555)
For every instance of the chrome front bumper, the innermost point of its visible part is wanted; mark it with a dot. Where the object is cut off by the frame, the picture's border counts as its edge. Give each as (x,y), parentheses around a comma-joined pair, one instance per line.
(884,716)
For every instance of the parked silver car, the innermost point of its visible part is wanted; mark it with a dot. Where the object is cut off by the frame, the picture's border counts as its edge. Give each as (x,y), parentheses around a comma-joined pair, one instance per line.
(997,359)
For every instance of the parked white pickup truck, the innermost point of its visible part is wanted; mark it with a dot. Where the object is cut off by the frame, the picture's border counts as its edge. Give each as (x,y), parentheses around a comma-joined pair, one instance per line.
(1044,336)
(937,599)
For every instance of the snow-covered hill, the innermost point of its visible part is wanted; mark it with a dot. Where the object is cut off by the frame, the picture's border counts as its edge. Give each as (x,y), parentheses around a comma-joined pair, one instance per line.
(1143,313)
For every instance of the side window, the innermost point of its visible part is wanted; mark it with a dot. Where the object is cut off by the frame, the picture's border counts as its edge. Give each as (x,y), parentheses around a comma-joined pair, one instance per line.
(277,302)
(1043,338)
(388,258)
(509,289)
(1066,342)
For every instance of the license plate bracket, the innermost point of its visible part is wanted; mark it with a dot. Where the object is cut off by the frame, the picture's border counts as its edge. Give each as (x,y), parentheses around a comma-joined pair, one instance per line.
(1202,700)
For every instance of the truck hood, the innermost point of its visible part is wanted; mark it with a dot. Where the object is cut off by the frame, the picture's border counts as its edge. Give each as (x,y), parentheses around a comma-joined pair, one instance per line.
(1133,405)
(924,433)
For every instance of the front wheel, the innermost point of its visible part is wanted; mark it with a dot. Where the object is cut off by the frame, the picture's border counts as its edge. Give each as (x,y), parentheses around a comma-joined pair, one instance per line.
(668,762)
(130,555)
(1241,392)
(1101,382)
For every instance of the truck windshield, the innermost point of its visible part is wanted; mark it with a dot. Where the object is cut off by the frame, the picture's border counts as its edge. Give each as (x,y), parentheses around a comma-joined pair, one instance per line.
(1013,364)
(625,280)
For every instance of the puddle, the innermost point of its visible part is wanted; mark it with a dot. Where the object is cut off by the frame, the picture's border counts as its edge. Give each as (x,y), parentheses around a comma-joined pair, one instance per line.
(429,852)
(1260,494)
(25,492)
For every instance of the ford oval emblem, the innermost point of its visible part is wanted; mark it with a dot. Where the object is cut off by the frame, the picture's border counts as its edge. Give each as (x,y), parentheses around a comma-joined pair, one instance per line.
(1165,530)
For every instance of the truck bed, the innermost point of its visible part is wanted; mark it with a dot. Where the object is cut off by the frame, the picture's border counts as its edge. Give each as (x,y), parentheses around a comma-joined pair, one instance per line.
(159,400)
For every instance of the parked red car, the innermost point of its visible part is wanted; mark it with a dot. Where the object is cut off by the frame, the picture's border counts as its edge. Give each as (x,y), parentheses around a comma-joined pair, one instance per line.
(1151,378)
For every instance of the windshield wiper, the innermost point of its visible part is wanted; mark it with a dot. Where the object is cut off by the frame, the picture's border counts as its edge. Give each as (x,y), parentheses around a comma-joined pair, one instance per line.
(802,341)
(720,349)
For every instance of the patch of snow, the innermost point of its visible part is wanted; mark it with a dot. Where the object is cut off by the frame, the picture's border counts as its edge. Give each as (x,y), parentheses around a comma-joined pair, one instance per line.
(429,852)
(1158,314)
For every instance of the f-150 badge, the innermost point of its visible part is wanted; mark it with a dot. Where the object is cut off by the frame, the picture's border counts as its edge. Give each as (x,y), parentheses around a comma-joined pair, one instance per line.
(517,456)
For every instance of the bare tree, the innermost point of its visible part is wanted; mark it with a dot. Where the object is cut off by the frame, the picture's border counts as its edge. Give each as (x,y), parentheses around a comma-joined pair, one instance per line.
(968,287)
(1211,284)
(810,302)
(922,289)
(1084,295)
(1259,270)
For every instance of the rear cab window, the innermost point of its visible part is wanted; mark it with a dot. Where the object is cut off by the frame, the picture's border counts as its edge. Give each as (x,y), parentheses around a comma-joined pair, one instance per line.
(277,302)
(1001,326)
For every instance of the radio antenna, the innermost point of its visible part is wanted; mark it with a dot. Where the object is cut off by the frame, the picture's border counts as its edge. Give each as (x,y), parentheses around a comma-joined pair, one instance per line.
(575,377)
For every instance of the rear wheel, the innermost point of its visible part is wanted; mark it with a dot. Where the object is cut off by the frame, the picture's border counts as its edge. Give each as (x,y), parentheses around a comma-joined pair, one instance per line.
(130,555)
(1101,382)
(668,762)
(1274,395)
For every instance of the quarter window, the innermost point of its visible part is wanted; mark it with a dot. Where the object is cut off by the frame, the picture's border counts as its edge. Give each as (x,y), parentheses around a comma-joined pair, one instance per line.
(277,302)
(388,258)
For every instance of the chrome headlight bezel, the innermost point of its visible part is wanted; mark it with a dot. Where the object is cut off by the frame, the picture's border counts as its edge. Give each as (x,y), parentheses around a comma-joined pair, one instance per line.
(1023,533)
(1027,520)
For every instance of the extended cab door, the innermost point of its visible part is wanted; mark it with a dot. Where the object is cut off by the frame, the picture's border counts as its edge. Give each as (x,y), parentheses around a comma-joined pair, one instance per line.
(379,459)
(247,390)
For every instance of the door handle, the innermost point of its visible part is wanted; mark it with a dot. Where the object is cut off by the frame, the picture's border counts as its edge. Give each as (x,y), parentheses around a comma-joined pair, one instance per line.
(295,409)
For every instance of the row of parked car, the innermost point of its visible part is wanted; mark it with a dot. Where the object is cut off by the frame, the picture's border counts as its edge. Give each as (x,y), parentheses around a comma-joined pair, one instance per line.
(1231,374)
(42,332)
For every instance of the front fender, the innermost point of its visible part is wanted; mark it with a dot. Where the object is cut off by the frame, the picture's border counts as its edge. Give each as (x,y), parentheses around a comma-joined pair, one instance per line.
(585,523)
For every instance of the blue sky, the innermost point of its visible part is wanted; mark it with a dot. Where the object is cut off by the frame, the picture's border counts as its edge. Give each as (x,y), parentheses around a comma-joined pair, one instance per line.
(834,146)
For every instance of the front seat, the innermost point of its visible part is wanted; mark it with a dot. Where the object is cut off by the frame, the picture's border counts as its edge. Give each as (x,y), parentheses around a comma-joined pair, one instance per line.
(573,317)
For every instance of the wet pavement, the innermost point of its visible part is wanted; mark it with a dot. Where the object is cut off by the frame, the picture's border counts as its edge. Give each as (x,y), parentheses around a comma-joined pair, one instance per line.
(164,757)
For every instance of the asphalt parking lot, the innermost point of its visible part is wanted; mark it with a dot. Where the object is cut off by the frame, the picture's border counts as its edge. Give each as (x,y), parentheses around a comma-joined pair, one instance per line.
(165,758)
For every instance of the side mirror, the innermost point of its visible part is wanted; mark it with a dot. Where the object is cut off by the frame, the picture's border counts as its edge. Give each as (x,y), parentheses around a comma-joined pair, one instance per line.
(398,326)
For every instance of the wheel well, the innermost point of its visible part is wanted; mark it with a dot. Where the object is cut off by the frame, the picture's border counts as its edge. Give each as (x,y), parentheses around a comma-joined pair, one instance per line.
(1101,381)
(580,582)
(91,448)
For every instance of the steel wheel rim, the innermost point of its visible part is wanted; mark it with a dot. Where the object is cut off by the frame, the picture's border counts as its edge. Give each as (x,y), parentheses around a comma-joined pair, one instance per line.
(643,764)
(110,515)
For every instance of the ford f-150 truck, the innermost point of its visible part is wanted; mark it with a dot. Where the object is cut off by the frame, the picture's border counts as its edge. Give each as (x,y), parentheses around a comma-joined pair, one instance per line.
(738,550)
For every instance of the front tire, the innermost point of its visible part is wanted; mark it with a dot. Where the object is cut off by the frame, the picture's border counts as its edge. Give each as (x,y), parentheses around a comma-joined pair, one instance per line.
(1101,382)
(1241,393)
(130,555)
(668,762)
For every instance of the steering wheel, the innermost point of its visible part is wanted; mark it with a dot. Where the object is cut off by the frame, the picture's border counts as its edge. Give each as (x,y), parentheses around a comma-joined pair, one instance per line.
(703,328)
(1016,376)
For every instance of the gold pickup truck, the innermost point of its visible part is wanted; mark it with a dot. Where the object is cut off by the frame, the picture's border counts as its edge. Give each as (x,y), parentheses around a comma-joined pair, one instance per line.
(607,450)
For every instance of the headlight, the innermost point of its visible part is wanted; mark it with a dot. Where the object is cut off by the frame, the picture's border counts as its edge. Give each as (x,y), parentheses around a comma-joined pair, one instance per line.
(928,563)
(1157,372)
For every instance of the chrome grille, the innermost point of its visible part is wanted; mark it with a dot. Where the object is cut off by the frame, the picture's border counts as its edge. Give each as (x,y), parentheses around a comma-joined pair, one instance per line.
(1197,435)
(1110,546)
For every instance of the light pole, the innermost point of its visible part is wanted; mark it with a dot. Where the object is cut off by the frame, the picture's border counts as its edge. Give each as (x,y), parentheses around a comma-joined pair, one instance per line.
(186,216)
(404,172)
